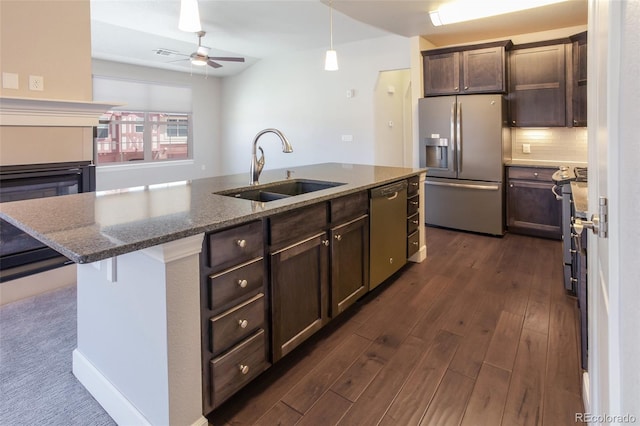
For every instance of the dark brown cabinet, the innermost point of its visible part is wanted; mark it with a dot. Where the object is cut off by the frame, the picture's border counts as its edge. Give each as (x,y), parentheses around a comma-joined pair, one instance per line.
(465,69)
(532,208)
(299,287)
(537,89)
(235,336)
(413,216)
(579,80)
(349,263)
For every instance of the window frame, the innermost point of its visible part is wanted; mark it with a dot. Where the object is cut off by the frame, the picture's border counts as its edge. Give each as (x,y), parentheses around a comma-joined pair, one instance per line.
(148,124)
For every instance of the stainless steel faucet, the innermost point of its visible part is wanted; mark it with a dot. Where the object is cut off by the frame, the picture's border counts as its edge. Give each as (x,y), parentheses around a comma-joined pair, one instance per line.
(258,163)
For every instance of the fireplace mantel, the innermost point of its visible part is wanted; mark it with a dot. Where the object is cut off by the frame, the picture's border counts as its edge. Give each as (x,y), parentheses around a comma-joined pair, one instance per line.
(51,112)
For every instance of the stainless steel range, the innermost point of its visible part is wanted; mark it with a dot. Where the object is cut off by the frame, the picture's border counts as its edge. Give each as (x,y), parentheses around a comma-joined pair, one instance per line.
(574,246)
(562,190)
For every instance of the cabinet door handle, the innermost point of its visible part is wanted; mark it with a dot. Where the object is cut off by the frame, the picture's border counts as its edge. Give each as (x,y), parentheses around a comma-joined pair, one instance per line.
(243,323)
(241,243)
(242,283)
(338,237)
(466,87)
(415,222)
(455,88)
(513,122)
(535,174)
(415,243)
(325,242)
(414,184)
(414,203)
(244,369)
(510,185)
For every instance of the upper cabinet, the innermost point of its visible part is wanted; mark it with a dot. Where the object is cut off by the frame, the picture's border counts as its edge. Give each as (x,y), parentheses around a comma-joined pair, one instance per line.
(537,89)
(465,69)
(578,85)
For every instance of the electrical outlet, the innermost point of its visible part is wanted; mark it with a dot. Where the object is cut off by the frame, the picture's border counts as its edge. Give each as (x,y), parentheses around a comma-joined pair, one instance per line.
(36,82)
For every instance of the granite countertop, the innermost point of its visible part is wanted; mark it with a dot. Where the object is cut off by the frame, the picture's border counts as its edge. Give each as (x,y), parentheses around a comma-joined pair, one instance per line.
(97,225)
(579,193)
(544,163)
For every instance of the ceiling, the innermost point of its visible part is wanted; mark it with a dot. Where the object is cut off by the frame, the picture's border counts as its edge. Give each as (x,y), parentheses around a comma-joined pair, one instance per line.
(131,31)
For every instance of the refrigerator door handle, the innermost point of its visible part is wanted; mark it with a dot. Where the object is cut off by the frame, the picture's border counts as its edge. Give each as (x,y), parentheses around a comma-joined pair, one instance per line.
(452,149)
(463,185)
(459,138)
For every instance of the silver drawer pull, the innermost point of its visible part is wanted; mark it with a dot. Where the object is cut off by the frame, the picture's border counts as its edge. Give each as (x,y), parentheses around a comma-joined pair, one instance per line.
(415,243)
(415,222)
(338,237)
(325,242)
(536,174)
(414,203)
(241,243)
(414,183)
(244,369)
(243,323)
(242,283)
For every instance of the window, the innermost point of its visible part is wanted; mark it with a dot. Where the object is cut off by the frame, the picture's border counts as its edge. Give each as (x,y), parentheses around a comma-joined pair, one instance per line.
(124,136)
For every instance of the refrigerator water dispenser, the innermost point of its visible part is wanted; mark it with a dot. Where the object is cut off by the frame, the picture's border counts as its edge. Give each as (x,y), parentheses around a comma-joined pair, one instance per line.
(436,152)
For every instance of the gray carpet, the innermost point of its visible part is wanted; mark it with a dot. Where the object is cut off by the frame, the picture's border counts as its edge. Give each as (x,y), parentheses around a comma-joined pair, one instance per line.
(37,387)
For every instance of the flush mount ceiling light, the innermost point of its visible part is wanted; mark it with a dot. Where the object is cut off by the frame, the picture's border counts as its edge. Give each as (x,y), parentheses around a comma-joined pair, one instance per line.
(189,16)
(468,10)
(331,57)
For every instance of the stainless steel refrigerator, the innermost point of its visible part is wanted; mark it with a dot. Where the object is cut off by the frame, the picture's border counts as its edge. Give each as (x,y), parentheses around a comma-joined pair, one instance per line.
(464,142)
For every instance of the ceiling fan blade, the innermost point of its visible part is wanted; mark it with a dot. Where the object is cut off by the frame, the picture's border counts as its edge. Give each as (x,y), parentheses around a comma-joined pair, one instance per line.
(178,60)
(226,58)
(213,64)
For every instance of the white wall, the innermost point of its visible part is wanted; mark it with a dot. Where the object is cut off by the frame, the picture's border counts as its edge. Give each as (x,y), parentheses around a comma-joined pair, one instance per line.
(309,105)
(206,129)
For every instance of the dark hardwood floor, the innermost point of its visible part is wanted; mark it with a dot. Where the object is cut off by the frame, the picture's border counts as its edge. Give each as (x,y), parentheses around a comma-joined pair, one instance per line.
(481,333)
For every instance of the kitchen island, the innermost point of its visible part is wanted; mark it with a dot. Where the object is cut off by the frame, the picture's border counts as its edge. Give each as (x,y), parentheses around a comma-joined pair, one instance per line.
(139,281)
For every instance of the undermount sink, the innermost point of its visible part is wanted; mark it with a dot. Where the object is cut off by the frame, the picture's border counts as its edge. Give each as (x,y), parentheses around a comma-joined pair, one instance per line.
(279,190)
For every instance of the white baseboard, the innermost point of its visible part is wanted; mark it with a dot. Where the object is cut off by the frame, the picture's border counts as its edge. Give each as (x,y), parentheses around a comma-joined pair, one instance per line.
(114,403)
(420,255)
(107,395)
(21,288)
(585,392)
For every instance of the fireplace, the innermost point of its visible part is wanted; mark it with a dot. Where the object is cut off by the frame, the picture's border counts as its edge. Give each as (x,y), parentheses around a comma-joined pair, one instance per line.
(21,255)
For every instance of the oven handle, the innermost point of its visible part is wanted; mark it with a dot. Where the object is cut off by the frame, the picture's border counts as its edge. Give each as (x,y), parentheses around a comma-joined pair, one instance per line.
(558,196)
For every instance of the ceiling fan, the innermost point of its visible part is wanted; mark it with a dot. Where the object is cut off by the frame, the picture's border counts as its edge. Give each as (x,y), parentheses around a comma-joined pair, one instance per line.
(200,57)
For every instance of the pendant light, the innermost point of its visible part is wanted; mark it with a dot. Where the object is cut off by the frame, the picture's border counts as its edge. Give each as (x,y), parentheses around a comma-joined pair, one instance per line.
(189,16)
(331,57)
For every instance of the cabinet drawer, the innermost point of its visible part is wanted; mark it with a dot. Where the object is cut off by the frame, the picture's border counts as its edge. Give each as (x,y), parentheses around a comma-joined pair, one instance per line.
(299,223)
(413,185)
(349,206)
(237,323)
(531,173)
(412,223)
(239,366)
(236,245)
(413,244)
(413,204)
(235,284)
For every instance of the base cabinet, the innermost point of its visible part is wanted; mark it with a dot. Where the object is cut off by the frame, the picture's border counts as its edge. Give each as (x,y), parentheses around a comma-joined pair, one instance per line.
(349,263)
(299,283)
(532,209)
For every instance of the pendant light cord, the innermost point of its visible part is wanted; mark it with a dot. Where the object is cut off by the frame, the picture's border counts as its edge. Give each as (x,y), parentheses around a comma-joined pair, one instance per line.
(330,25)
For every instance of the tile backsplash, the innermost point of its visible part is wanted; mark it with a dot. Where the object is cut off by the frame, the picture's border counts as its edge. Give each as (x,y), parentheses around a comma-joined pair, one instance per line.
(550,144)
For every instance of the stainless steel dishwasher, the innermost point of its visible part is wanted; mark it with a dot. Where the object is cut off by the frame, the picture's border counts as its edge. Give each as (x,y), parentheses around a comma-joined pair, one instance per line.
(388,231)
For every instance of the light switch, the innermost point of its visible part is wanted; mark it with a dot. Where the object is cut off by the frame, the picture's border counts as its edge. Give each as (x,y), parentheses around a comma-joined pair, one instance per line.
(526,148)
(347,138)
(10,80)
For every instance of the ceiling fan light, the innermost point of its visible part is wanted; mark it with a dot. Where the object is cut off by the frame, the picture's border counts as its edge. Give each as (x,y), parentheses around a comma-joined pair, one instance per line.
(331,61)
(189,16)
(199,61)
